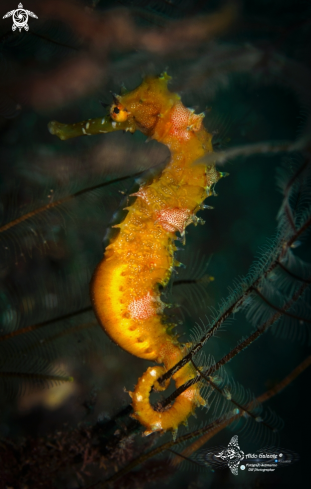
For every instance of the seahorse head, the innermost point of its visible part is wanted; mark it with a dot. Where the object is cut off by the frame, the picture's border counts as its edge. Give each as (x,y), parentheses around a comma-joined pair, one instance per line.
(146,105)
(160,114)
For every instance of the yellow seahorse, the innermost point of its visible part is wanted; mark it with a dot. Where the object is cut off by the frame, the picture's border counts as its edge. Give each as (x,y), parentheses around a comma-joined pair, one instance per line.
(125,287)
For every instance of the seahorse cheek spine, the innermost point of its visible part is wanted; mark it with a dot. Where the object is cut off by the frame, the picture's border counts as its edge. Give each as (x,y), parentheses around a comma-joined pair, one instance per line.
(125,286)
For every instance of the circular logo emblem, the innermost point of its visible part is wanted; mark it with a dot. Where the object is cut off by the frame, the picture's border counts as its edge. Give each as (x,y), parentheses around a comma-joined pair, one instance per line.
(20,18)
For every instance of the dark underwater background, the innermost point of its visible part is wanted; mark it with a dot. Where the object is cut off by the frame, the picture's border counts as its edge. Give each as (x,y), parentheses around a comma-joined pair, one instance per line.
(250,76)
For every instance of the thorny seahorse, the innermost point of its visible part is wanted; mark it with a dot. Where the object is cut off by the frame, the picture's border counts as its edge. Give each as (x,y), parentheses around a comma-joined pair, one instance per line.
(139,261)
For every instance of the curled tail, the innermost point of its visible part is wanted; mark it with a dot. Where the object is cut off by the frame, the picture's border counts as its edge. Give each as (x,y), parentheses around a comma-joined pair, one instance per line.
(184,405)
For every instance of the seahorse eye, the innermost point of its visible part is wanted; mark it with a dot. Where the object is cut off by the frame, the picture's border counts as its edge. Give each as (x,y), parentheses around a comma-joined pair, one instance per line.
(118,113)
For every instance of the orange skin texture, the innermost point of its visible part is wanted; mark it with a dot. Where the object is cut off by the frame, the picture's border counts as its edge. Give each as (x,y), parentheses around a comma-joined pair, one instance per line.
(125,286)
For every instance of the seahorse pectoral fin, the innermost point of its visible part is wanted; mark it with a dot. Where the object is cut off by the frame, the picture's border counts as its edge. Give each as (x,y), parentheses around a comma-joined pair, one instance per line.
(100,125)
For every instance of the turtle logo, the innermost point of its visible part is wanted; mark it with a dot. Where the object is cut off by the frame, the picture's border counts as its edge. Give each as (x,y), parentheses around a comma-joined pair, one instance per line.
(20,18)
(232,455)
